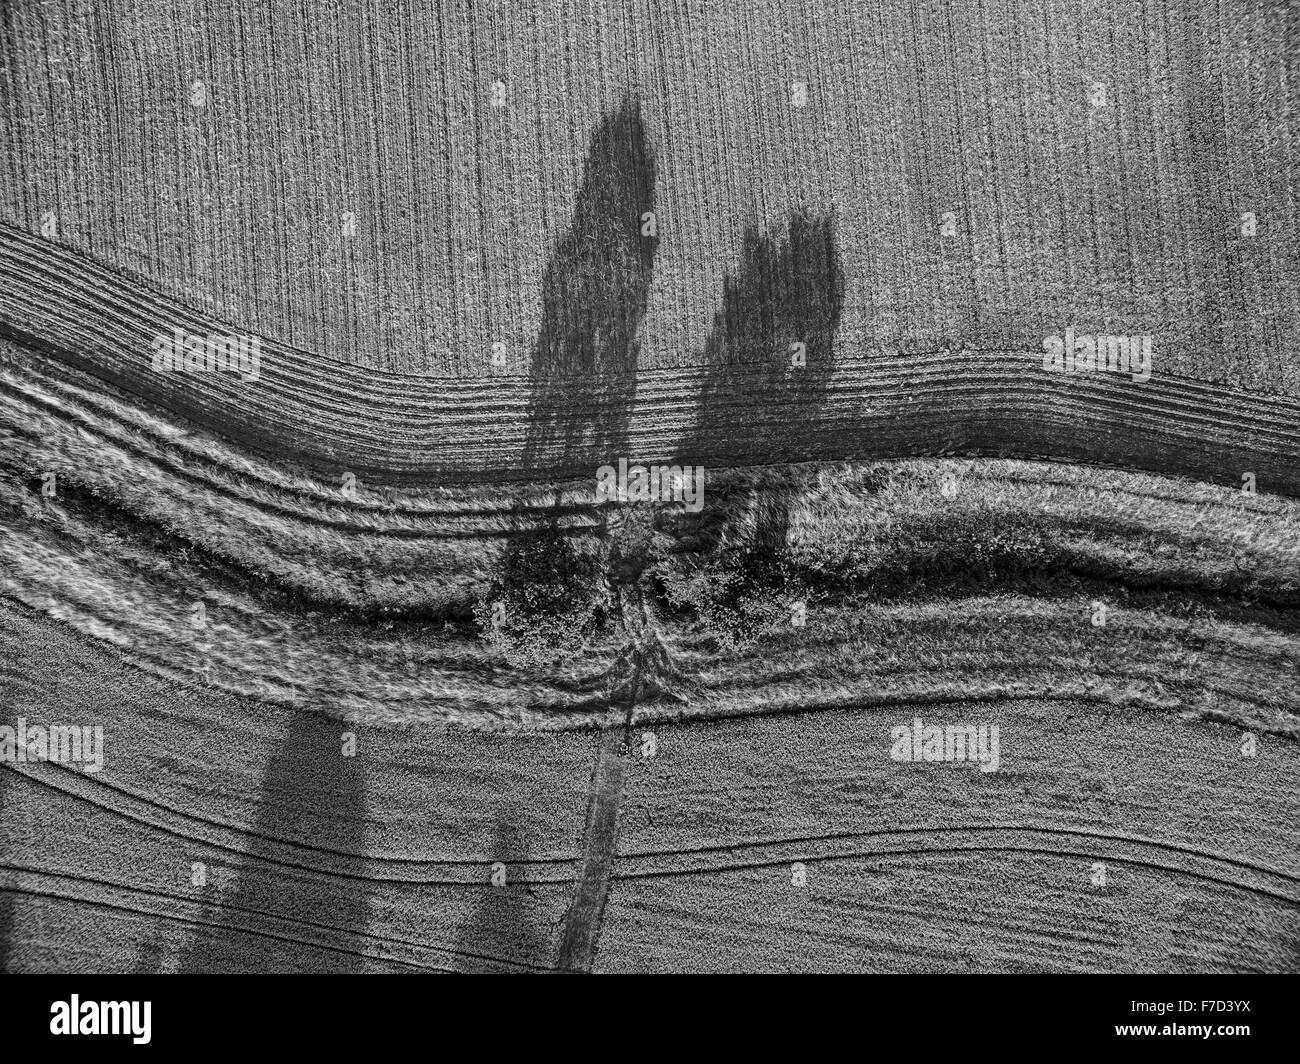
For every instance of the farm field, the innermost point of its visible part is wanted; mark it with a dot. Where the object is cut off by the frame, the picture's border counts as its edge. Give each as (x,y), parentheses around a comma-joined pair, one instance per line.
(335,176)
(940,867)
(387,865)
(1122,743)
(630,487)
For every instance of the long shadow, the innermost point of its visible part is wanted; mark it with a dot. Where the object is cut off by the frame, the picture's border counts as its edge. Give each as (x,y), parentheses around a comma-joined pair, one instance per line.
(313,796)
(583,372)
(502,925)
(788,291)
(594,295)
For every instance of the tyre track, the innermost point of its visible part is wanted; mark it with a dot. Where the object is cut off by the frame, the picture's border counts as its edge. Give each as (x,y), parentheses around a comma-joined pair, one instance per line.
(839,845)
(1292,898)
(327,941)
(195,830)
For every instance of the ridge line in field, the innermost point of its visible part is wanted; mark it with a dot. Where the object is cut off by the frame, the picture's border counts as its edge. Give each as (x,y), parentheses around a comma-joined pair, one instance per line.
(331,416)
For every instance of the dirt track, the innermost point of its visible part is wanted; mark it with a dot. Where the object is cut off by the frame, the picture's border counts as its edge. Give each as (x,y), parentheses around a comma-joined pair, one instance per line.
(582,922)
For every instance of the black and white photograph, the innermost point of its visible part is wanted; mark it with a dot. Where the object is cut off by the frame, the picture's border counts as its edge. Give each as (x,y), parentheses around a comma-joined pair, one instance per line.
(650,487)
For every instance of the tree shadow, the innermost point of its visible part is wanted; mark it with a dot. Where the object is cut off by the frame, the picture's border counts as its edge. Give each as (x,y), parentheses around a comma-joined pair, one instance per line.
(502,926)
(582,386)
(594,295)
(759,381)
(311,796)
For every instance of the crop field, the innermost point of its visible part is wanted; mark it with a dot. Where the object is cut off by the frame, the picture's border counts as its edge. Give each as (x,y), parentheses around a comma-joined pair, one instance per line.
(624,487)
(337,177)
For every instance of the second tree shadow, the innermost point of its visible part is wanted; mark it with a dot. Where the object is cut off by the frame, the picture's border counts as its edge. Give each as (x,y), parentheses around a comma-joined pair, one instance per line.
(769,358)
(502,926)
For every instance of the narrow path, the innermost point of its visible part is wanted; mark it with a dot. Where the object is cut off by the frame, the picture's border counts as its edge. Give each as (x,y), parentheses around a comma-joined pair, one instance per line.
(582,921)
(581,929)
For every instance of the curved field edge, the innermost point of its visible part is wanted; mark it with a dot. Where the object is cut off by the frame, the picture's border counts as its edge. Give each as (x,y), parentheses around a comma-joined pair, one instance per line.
(330,417)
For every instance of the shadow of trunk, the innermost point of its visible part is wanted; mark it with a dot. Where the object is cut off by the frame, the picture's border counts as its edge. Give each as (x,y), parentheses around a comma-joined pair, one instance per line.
(503,925)
(311,796)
